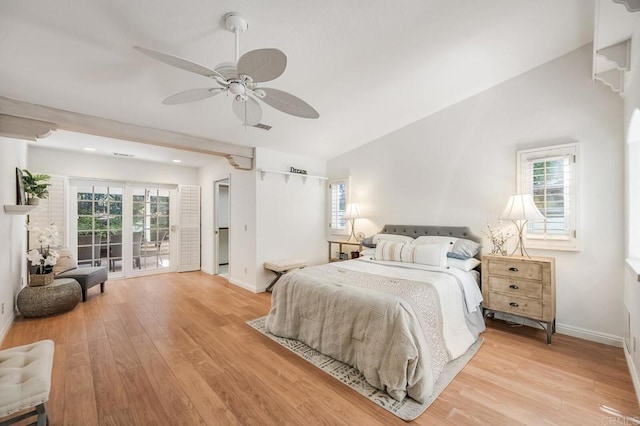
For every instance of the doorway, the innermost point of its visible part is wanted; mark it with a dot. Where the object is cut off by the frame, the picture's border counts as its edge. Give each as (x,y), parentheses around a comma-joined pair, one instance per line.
(126,227)
(221,193)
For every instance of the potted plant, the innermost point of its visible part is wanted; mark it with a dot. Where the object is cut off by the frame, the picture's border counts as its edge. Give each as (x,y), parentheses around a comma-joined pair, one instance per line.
(36,186)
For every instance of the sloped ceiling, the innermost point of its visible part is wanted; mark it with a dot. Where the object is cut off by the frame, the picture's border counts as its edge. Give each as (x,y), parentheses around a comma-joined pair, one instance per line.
(368,66)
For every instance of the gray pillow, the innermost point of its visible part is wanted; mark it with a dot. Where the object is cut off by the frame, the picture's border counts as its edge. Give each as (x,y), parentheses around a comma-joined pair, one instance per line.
(464,249)
(368,242)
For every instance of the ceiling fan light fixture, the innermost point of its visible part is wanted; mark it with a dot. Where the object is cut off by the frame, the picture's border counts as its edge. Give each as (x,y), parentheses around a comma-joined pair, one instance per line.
(240,78)
(237,88)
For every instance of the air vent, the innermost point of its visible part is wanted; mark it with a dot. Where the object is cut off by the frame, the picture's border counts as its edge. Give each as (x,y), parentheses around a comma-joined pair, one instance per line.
(121,154)
(262,126)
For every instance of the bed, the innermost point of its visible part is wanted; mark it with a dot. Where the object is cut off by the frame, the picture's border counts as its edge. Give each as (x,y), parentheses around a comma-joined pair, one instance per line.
(397,322)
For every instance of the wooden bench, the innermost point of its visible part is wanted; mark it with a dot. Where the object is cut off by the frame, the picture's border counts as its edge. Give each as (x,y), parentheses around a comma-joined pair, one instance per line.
(281,267)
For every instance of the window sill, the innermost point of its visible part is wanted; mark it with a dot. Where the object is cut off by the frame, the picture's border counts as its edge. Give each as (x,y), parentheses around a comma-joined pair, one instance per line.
(634,264)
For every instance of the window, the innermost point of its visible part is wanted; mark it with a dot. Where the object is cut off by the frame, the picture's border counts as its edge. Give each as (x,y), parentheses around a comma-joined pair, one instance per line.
(550,175)
(337,201)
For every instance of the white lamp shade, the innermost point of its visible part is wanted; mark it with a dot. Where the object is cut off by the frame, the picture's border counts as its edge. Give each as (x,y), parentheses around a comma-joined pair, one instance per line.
(521,207)
(352,211)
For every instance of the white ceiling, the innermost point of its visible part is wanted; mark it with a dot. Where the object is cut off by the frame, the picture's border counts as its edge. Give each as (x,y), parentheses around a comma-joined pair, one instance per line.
(367,66)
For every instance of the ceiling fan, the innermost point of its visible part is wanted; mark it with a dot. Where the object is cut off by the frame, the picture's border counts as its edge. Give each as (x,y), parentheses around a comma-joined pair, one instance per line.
(240,79)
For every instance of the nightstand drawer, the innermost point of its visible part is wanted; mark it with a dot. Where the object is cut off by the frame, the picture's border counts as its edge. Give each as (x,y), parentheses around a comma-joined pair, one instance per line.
(516,287)
(514,268)
(516,305)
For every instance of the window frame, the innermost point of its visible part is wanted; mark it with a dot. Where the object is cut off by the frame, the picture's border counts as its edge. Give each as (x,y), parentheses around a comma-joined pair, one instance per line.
(330,214)
(546,241)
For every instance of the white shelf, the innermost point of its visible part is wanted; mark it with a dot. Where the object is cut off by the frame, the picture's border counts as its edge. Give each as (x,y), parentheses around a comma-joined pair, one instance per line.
(288,174)
(15,209)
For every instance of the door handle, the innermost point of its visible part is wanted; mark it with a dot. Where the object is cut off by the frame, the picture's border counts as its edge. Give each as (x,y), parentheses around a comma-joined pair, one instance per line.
(514,304)
(513,286)
(513,269)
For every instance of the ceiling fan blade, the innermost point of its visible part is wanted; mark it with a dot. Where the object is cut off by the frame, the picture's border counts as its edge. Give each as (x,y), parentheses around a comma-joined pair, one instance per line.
(262,64)
(179,62)
(249,111)
(191,96)
(288,103)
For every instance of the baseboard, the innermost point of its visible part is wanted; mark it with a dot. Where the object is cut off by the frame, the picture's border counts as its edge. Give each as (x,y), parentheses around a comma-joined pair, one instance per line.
(5,328)
(244,285)
(207,271)
(569,330)
(635,377)
(594,336)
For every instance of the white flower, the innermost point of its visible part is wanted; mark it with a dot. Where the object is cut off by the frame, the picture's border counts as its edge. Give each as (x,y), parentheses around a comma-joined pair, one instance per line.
(35,257)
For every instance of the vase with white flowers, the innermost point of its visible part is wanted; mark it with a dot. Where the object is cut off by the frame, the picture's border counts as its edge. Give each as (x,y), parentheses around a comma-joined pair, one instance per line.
(43,259)
(498,236)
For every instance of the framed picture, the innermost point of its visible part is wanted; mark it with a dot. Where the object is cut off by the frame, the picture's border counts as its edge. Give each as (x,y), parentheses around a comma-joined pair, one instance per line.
(21,196)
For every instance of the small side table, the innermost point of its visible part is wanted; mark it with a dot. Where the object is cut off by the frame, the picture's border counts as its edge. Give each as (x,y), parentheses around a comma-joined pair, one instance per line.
(281,267)
(340,244)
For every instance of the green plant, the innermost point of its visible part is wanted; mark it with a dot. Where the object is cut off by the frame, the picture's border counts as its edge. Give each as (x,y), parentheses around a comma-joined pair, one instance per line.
(35,184)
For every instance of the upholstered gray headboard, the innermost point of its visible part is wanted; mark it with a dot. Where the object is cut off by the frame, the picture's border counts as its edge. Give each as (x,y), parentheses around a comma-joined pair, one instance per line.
(416,231)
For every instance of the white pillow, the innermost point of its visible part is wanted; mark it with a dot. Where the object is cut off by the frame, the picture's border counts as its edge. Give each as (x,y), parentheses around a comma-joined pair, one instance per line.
(392,237)
(466,265)
(431,254)
(435,239)
(425,254)
(394,251)
(368,252)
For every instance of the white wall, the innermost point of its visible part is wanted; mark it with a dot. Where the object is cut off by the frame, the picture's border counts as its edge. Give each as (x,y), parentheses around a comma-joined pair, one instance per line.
(13,153)
(290,215)
(75,164)
(632,206)
(218,169)
(458,167)
(242,229)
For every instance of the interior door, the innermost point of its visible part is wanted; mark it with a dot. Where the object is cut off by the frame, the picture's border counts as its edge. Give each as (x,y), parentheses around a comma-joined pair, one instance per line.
(221,227)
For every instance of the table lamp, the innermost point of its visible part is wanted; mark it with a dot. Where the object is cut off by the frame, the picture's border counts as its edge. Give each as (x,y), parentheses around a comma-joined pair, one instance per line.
(521,209)
(352,212)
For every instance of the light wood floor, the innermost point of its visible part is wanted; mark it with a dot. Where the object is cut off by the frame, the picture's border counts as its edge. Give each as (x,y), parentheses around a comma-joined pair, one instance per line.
(173,349)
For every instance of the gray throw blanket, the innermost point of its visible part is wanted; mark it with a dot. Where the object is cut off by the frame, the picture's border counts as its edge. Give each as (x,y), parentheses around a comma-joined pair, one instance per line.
(390,329)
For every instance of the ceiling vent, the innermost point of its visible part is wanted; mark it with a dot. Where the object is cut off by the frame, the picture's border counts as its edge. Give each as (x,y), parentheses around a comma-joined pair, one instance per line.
(262,126)
(121,154)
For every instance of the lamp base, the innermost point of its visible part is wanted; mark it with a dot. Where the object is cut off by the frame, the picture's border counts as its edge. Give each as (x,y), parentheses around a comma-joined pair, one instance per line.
(520,245)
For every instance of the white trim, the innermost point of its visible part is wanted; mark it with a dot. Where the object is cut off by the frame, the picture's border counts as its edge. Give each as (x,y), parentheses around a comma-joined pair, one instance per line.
(245,286)
(6,327)
(569,330)
(635,377)
(634,264)
(594,336)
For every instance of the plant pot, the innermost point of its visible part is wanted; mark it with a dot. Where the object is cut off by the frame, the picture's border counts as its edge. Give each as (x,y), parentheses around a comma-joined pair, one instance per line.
(33,201)
(38,280)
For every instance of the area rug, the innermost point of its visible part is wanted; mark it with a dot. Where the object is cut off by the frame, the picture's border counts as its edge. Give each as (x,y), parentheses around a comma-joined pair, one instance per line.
(407,409)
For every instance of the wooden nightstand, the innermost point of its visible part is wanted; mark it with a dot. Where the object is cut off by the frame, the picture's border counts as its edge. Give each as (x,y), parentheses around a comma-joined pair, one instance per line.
(521,286)
(340,244)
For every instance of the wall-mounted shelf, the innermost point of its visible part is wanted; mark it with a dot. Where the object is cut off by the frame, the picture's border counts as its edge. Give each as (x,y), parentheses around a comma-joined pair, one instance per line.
(289,174)
(15,209)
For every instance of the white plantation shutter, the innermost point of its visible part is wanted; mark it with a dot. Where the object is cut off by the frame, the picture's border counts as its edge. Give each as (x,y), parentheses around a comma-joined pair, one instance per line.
(338,195)
(51,210)
(189,228)
(550,175)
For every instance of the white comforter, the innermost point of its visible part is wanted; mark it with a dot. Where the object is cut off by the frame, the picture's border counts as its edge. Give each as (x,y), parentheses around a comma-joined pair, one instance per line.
(399,326)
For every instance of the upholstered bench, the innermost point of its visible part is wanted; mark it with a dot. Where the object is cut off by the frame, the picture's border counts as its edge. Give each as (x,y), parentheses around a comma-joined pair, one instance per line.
(87,278)
(281,267)
(62,295)
(25,381)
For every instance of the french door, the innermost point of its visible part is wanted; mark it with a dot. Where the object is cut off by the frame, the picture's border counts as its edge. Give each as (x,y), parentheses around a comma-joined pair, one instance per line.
(127,227)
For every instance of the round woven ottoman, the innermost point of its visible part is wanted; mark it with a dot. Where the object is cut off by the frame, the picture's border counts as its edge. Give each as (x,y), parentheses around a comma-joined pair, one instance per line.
(60,296)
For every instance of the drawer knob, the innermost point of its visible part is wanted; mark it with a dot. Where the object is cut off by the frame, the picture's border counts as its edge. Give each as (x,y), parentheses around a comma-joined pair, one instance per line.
(513,269)
(514,304)
(513,286)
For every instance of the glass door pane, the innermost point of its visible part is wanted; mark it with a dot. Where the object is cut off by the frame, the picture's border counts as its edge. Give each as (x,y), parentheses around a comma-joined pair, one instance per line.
(151,218)
(99,226)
